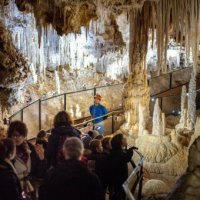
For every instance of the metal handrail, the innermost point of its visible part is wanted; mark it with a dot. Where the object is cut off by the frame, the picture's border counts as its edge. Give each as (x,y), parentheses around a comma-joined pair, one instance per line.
(67,93)
(171,72)
(63,94)
(170,83)
(138,174)
(109,115)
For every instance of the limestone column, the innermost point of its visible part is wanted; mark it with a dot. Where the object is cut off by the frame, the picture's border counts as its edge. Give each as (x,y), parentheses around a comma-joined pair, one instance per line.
(136,91)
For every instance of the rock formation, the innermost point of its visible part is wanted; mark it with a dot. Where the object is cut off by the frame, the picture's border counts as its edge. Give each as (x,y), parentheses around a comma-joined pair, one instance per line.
(136,100)
(161,152)
(191,114)
(57,82)
(65,16)
(196,133)
(183,120)
(136,90)
(188,186)
(160,22)
(188,108)
(166,159)
(154,188)
(14,69)
(158,121)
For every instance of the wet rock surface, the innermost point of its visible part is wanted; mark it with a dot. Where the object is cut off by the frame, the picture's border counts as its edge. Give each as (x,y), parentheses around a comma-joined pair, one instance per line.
(14,70)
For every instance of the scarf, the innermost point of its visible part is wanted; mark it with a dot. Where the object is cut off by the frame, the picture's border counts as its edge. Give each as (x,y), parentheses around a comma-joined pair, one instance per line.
(22,152)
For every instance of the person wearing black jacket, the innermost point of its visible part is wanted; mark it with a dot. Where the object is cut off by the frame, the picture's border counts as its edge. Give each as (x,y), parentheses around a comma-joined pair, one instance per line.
(98,163)
(10,188)
(62,129)
(71,179)
(119,157)
(29,161)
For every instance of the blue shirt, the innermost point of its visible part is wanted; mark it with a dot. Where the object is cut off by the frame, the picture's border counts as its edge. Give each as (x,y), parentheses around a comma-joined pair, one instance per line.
(98,111)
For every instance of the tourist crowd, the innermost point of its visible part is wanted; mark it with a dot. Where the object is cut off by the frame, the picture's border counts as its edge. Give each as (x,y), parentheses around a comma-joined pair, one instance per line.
(67,164)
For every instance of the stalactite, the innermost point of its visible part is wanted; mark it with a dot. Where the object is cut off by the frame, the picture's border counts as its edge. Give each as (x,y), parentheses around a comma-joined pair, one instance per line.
(33,73)
(184,21)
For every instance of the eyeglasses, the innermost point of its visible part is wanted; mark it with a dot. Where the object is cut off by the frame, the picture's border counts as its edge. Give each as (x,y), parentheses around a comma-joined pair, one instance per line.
(16,135)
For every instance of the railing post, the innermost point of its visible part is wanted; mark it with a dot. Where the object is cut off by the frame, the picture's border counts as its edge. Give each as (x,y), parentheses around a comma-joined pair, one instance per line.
(161,103)
(40,117)
(95,91)
(170,83)
(65,102)
(140,183)
(113,124)
(22,115)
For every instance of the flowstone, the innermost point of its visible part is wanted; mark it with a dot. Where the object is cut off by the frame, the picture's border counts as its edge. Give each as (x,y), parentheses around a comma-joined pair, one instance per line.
(162,155)
(188,186)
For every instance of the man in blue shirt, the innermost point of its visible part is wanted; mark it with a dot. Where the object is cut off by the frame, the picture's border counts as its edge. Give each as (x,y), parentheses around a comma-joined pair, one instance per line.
(98,110)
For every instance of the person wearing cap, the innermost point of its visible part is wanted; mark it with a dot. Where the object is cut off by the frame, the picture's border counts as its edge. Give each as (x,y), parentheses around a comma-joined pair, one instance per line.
(98,111)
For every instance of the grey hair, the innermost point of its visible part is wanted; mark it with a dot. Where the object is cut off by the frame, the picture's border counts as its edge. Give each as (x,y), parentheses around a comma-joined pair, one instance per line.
(73,147)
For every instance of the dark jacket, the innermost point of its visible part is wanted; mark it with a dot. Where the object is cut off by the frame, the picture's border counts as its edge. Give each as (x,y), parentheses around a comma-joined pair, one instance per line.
(10,188)
(70,180)
(44,143)
(56,139)
(98,164)
(118,163)
(38,167)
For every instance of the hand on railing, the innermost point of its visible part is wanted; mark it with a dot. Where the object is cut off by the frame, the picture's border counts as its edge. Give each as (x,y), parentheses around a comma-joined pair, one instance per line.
(133,148)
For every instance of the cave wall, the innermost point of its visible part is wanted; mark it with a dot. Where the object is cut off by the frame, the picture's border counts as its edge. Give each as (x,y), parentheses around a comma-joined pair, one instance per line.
(14,70)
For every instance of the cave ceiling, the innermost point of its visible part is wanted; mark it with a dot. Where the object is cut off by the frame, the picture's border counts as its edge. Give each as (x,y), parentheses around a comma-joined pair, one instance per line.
(68,16)
(112,19)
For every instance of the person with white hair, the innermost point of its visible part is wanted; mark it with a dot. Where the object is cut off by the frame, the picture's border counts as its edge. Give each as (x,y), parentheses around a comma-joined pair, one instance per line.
(71,179)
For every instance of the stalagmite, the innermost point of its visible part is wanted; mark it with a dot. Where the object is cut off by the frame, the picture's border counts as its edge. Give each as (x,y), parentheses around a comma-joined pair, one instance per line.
(71,111)
(163,157)
(33,73)
(191,115)
(57,82)
(141,127)
(157,120)
(163,124)
(78,112)
(184,110)
(183,105)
